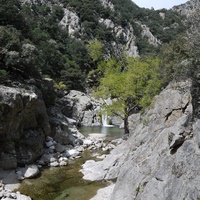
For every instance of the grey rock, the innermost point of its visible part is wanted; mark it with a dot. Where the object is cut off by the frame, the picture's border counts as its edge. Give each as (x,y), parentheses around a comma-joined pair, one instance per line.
(63,159)
(92,171)
(8,162)
(54,164)
(23,124)
(45,159)
(106,169)
(48,139)
(22,197)
(107,4)
(104,193)
(49,143)
(9,180)
(82,107)
(160,160)
(87,142)
(52,149)
(71,22)
(152,170)
(147,33)
(73,152)
(80,148)
(31,171)
(52,159)
(63,163)
(60,148)
(187,8)
(196,129)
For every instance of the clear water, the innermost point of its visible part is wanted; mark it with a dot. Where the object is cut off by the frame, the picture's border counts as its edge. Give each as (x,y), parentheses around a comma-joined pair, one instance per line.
(111,133)
(66,183)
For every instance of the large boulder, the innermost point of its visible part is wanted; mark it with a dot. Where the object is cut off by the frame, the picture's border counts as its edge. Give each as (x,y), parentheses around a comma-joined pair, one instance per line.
(23,125)
(63,129)
(82,108)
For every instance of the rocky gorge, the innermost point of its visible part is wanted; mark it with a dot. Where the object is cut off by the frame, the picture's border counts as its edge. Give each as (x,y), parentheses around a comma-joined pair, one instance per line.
(159,160)
(37,132)
(47,74)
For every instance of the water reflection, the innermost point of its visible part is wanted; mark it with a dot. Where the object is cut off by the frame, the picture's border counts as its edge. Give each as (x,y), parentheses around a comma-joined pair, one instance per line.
(104,130)
(66,182)
(62,183)
(111,132)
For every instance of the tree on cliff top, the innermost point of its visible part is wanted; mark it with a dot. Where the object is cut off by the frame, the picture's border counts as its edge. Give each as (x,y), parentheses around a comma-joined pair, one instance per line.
(131,83)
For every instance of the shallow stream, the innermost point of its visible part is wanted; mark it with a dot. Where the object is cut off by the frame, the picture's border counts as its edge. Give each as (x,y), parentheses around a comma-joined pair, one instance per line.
(66,183)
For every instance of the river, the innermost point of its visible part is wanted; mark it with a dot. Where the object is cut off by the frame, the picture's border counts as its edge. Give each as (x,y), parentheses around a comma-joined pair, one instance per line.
(66,183)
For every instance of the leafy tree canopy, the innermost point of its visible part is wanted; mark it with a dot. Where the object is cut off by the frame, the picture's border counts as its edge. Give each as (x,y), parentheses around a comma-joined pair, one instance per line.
(131,86)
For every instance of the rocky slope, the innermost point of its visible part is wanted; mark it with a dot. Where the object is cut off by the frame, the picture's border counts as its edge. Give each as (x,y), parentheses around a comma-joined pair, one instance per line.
(161,158)
(187,8)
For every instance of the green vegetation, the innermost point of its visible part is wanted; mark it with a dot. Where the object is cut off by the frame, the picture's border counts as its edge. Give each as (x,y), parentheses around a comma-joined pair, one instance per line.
(34,45)
(180,58)
(164,24)
(131,83)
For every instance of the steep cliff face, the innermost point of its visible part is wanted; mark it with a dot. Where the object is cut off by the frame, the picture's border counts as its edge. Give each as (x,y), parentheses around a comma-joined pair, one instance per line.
(162,162)
(161,158)
(24,125)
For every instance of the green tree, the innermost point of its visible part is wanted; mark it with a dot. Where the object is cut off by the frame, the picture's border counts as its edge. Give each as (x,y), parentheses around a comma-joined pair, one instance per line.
(175,58)
(131,87)
(95,48)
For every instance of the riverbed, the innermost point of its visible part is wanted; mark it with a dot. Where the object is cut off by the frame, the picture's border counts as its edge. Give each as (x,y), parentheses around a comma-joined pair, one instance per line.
(66,183)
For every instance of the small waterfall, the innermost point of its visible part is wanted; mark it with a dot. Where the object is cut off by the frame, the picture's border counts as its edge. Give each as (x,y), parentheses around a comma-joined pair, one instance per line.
(105,120)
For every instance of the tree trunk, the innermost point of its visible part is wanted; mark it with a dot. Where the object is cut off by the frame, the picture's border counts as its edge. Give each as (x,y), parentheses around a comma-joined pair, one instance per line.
(126,128)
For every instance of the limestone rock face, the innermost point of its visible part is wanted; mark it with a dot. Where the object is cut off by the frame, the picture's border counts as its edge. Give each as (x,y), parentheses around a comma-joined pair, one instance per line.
(70,21)
(63,127)
(82,108)
(107,4)
(161,158)
(151,38)
(126,34)
(23,126)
